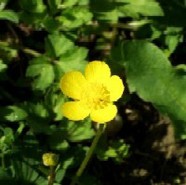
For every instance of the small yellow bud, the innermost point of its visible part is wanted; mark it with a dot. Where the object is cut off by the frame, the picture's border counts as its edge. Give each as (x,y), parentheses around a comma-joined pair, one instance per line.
(50,159)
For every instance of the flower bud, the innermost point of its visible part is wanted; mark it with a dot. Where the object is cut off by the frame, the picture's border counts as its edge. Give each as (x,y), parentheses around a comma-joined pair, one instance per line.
(50,159)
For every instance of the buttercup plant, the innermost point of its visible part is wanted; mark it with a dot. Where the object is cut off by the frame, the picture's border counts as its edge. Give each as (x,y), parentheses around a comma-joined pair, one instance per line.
(45,83)
(93,94)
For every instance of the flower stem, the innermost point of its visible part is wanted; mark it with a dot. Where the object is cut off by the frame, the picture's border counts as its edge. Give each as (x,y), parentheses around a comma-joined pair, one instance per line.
(88,155)
(31,52)
(51,177)
(3,161)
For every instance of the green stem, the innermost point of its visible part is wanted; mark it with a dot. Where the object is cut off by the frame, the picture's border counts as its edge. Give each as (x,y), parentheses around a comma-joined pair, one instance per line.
(51,175)
(37,54)
(31,52)
(3,161)
(88,155)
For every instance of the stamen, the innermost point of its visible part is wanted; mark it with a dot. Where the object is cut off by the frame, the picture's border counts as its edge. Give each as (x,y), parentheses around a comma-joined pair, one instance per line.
(96,96)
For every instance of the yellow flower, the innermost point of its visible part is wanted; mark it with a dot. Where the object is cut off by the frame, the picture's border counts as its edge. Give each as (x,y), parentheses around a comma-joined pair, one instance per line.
(50,159)
(93,93)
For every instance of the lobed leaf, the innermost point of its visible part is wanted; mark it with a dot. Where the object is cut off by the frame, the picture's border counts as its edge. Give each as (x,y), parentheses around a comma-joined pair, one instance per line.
(151,75)
(135,8)
(72,60)
(42,73)
(13,113)
(9,15)
(57,44)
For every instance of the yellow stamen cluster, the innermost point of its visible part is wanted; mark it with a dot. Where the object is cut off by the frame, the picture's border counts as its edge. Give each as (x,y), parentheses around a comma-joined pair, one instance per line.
(95,97)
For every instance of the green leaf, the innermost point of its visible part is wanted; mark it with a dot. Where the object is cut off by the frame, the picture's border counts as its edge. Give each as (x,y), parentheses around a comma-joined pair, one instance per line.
(38,118)
(80,131)
(27,145)
(57,142)
(13,113)
(173,37)
(134,8)
(54,5)
(69,3)
(59,100)
(26,171)
(57,44)
(72,60)
(35,19)
(77,131)
(37,109)
(3,4)
(117,150)
(83,2)
(61,172)
(7,53)
(33,6)
(51,24)
(2,66)
(6,140)
(150,74)
(42,73)
(111,16)
(5,177)
(75,17)
(54,100)
(9,15)
(111,11)
(105,10)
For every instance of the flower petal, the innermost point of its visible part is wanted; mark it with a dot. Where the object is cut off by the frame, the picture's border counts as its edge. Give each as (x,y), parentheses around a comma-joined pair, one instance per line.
(74,111)
(72,83)
(104,115)
(97,71)
(115,87)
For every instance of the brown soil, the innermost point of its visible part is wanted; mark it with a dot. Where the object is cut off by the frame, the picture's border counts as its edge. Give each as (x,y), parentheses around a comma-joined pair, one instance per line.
(156,158)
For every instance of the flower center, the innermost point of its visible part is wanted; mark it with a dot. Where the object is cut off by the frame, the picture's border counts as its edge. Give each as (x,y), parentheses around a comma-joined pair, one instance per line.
(95,96)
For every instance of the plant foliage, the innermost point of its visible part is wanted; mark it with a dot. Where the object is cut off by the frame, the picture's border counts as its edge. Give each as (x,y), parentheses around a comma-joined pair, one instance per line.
(42,40)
